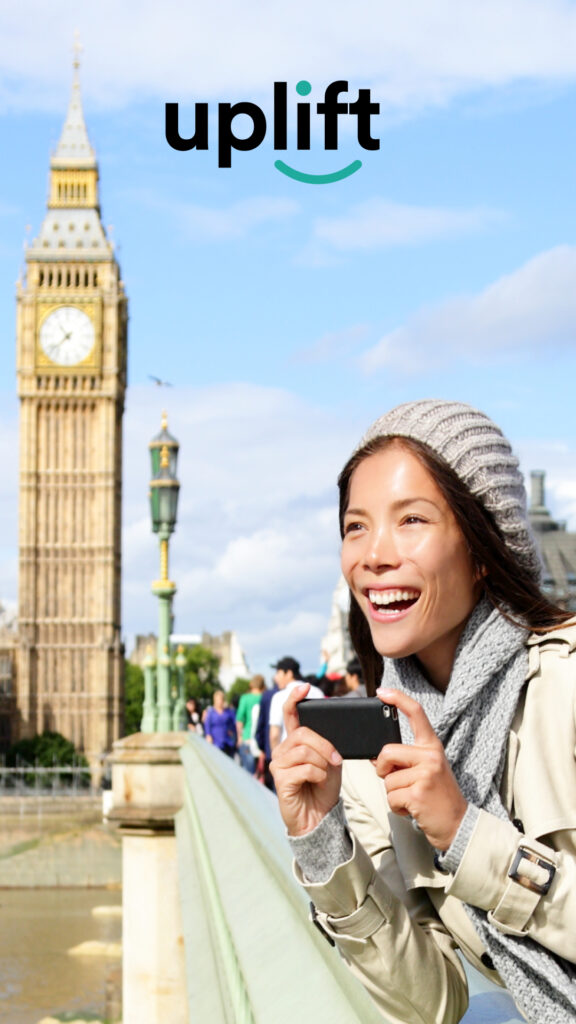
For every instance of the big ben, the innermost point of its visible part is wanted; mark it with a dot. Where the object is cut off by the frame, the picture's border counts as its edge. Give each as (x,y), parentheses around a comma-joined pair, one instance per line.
(71,365)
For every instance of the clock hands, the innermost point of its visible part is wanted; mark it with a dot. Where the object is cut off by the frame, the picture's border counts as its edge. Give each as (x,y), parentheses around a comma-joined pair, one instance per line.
(62,340)
(57,344)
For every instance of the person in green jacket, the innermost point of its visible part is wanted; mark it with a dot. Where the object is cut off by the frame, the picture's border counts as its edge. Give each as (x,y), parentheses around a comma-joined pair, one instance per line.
(244,719)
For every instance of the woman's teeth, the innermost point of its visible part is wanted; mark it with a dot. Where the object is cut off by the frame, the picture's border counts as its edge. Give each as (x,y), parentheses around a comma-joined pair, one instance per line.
(393,598)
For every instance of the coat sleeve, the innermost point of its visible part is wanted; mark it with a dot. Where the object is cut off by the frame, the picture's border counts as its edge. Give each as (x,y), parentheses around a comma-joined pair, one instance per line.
(392,939)
(527,887)
(526,879)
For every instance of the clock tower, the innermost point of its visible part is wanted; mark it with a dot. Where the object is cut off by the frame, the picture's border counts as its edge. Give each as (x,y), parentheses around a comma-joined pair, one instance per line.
(71,364)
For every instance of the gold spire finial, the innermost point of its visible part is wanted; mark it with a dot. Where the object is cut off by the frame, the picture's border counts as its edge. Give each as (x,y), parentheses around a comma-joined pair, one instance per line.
(77,50)
(164,420)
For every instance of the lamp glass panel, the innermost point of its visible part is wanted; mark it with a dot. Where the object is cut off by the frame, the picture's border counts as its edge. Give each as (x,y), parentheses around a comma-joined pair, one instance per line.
(155,509)
(168,504)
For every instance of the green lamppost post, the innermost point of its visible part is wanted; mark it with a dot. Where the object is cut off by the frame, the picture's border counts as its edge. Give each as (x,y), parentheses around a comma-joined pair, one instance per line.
(149,709)
(179,717)
(164,488)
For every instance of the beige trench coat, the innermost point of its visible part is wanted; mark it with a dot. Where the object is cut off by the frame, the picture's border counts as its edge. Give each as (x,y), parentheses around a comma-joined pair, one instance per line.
(398,920)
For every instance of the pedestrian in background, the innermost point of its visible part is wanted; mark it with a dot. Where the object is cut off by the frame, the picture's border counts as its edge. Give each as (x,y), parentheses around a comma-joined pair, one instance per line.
(194,720)
(262,738)
(244,719)
(287,677)
(354,679)
(220,725)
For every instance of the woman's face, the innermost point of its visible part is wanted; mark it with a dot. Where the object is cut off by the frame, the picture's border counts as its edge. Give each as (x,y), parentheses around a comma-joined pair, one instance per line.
(406,561)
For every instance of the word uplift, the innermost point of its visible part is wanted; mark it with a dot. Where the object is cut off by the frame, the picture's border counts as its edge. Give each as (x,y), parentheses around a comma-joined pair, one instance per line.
(330,110)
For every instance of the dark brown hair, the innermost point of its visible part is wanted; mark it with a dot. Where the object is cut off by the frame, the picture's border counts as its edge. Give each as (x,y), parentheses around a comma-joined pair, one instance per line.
(507,583)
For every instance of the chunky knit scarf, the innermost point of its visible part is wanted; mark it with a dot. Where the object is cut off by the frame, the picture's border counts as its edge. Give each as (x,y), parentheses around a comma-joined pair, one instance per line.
(473,720)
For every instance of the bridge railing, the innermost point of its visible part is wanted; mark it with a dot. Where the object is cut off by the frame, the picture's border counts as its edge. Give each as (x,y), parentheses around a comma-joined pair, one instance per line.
(252,955)
(34,780)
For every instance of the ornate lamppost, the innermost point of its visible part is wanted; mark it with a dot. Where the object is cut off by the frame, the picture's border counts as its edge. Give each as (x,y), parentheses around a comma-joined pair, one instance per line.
(164,488)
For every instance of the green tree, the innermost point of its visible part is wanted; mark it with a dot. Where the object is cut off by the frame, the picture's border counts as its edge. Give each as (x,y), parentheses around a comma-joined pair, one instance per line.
(239,686)
(48,750)
(133,697)
(201,673)
(201,679)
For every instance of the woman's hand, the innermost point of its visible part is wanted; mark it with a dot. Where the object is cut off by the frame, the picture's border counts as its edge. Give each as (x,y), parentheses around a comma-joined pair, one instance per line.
(307,771)
(418,778)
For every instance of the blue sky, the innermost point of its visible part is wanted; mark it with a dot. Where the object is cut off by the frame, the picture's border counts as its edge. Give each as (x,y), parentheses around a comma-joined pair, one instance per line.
(287,316)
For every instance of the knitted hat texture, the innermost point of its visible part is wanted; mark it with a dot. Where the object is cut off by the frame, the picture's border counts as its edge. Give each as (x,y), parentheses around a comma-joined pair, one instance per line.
(480,456)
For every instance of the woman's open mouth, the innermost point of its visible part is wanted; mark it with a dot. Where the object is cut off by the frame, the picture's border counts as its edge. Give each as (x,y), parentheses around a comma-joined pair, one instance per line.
(391,602)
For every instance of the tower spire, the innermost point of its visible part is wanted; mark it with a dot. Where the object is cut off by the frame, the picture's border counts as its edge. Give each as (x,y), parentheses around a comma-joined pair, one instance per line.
(73,187)
(74,149)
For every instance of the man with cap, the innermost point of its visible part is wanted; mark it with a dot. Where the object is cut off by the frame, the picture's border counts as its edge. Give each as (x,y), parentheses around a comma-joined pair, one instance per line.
(287,677)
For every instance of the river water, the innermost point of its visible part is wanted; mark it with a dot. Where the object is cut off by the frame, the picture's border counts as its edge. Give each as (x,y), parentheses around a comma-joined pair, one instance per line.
(38,977)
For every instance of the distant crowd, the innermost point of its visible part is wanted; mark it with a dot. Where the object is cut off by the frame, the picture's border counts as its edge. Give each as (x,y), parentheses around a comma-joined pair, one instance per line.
(250,731)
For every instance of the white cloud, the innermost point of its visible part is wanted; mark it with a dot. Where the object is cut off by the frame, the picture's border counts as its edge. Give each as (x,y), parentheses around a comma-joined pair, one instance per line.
(205,223)
(377,223)
(237,220)
(333,345)
(416,54)
(308,627)
(532,309)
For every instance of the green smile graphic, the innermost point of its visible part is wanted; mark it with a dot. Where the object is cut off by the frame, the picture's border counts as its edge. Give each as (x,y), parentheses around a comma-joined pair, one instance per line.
(318,179)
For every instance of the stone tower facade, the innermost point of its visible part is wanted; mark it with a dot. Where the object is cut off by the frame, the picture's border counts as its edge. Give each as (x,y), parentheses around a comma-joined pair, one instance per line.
(71,365)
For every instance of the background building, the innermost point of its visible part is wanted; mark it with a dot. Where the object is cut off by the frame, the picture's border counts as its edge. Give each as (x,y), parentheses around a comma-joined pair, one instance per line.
(336,644)
(71,367)
(226,647)
(557,546)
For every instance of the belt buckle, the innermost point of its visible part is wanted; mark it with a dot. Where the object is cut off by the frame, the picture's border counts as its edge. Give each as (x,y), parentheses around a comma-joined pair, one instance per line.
(529,883)
(317,924)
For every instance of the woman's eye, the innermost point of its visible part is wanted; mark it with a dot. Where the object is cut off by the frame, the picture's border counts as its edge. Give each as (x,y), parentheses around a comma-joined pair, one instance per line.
(352,528)
(409,520)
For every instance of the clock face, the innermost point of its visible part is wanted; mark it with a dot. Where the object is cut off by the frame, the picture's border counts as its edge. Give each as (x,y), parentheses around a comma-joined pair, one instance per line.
(67,335)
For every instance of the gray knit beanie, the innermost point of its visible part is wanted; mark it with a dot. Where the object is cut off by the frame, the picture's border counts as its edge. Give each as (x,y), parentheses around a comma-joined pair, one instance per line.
(481,457)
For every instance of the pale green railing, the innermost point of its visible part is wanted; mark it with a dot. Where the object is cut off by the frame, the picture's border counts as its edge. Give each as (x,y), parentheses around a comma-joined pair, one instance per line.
(252,954)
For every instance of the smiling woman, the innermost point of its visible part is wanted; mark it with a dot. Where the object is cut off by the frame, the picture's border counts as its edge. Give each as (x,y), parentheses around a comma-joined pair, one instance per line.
(464,835)
(406,561)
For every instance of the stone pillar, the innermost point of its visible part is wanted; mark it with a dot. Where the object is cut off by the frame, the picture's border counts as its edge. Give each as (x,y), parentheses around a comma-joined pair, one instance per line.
(537,499)
(147,786)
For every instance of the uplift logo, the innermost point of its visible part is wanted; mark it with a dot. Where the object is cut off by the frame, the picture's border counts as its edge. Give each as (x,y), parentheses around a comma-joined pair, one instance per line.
(330,110)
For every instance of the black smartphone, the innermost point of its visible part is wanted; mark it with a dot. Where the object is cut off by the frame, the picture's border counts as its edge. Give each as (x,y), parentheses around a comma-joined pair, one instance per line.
(357,726)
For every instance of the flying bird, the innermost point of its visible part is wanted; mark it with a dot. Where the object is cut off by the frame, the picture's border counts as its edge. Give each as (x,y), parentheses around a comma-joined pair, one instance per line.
(160,383)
